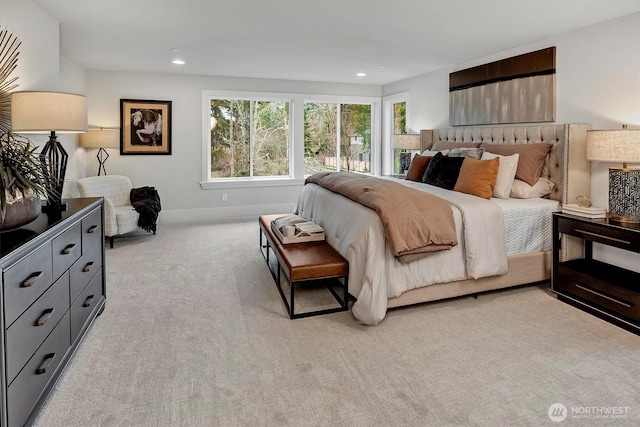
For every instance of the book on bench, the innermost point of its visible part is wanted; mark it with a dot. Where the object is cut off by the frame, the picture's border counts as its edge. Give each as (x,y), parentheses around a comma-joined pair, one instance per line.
(296,229)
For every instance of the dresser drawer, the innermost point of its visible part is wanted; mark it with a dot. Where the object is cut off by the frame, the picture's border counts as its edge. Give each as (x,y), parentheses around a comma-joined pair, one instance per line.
(91,230)
(84,269)
(28,332)
(23,393)
(86,303)
(26,281)
(601,292)
(67,248)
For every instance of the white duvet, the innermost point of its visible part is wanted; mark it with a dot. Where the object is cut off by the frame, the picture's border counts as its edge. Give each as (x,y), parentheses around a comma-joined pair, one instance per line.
(375,275)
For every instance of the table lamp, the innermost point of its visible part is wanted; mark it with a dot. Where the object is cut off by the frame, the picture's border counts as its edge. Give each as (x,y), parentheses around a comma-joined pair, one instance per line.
(623,146)
(406,142)
(101,138)
(50,112)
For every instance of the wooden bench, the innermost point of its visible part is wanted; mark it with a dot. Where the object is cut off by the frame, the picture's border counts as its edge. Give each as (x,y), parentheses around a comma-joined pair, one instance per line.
(304,263)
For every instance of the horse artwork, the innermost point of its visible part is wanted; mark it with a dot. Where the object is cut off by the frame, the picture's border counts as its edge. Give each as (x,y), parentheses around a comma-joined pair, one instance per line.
(145,127)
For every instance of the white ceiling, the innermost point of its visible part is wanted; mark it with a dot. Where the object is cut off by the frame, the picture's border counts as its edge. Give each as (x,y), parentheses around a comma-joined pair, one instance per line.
(314,40)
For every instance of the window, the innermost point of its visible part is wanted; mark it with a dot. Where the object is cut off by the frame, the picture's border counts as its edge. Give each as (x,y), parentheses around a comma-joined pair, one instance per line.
(326,149)
(249,138)
(399,127)
(265,139)
(395,119)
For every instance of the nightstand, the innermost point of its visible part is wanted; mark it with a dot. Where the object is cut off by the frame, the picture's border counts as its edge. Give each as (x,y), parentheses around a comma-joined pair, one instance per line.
(607,291)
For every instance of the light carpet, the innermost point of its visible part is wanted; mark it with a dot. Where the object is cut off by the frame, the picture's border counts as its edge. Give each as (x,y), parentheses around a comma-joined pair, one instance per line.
(194,334)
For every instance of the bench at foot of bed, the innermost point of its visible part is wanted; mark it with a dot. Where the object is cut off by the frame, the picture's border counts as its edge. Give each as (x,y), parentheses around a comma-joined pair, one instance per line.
(310,263)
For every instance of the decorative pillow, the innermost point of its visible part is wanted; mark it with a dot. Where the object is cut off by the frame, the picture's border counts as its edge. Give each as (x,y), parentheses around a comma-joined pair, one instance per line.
(443,171)
(531,158)
(433,153)
(478,177)
(522,190)
(445,145)
(417,167)
(474,153)
(506,173)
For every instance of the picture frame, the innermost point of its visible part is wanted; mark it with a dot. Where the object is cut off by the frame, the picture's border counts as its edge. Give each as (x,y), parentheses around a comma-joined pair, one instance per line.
(145,127)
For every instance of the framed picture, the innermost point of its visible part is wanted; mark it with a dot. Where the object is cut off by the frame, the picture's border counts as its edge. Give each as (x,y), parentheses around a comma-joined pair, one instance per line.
(145,127)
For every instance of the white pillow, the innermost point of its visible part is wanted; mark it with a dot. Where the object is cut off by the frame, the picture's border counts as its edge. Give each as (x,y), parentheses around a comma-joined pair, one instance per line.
(506,173)
(432,153)
(522,190)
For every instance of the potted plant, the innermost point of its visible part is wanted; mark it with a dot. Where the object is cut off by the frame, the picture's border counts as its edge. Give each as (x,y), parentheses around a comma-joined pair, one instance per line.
(22,181)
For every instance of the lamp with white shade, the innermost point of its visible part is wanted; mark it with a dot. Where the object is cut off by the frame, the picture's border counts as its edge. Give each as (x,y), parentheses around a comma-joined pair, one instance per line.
(101,138)
(406,142)
(622,145)
(50,112)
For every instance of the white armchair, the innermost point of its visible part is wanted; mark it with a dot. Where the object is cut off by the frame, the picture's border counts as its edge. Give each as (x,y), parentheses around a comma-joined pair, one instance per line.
(119,216)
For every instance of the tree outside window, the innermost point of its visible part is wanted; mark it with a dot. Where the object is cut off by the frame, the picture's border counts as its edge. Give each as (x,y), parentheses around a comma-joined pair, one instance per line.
(249,138)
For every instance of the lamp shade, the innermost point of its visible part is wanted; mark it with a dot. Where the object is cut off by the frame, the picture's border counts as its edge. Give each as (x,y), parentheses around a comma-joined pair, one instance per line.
(621,145)
(101,138)
(43,112)
(406,142)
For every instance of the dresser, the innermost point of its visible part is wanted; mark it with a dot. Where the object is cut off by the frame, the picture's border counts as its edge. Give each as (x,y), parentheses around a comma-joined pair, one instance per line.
(605,290)
(53,287)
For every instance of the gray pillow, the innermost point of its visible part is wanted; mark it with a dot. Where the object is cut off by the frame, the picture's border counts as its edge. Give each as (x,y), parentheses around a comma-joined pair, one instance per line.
(474,153)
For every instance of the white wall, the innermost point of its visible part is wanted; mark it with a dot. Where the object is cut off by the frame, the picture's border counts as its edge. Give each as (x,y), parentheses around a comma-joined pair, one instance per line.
(177,177)
(598,82)
(40,67)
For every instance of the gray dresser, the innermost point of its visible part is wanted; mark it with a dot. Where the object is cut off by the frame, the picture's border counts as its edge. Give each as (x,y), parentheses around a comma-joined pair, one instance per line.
(53,287)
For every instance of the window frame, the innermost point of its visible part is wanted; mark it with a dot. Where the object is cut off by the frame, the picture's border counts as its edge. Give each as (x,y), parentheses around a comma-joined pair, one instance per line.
(375,124)
(248,181)
(387,138)
(296,135)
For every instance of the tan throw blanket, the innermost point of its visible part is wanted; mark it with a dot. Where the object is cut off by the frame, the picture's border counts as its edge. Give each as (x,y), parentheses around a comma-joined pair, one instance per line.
(415,222)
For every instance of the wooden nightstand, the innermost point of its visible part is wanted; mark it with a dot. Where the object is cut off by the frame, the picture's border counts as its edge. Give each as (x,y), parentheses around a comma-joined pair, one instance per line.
(605,290)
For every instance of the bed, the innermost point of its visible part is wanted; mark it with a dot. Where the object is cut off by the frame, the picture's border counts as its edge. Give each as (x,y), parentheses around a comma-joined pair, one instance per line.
(379,281)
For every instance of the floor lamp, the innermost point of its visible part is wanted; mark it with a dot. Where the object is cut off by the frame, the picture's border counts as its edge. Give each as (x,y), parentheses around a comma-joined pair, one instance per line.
(48,113)
(101,138)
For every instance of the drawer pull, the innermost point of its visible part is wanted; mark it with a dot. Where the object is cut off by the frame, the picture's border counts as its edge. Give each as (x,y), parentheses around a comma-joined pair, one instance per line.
(613,239)
(584,288)
(67,249)
(31,279)
(87,267)
(45,316)
(45,364)
(88,301)
(92,229)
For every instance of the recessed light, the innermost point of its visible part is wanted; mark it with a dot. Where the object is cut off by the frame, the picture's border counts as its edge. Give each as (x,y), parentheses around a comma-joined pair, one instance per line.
(178,62)
(361,74)
(175,50)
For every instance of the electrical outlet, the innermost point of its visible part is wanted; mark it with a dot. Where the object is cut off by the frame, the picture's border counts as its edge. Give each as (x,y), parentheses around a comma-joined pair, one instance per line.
(224,197)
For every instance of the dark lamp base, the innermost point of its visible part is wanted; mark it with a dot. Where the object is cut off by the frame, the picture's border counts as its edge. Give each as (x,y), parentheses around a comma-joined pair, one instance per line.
(61,207)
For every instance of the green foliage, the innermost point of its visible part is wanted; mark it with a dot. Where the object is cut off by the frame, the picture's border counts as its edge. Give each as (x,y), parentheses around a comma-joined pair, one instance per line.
(20,169)
(231,151)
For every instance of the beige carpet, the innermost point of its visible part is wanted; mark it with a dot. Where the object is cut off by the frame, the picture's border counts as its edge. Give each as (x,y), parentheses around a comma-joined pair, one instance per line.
(194,334)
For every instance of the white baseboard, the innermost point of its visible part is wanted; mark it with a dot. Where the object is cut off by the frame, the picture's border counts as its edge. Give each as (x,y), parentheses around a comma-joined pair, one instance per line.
(235,213)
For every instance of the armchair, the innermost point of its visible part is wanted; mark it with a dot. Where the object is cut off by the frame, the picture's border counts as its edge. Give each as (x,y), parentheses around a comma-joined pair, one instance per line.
(119,216)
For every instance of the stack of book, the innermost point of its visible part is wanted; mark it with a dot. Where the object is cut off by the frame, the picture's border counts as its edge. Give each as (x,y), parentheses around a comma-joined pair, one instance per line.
(590,212)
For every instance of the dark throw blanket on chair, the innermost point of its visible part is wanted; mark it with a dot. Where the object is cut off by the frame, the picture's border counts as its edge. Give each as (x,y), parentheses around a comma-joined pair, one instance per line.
(146,202)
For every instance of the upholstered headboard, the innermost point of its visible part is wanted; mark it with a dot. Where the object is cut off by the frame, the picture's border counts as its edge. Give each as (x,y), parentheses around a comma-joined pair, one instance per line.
(566,165)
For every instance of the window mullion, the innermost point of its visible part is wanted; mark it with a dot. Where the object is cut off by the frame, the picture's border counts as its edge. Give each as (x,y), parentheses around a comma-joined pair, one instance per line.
(338,153)
(251,136)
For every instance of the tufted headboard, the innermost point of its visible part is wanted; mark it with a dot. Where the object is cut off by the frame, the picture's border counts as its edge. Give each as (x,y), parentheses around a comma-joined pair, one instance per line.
(566,164)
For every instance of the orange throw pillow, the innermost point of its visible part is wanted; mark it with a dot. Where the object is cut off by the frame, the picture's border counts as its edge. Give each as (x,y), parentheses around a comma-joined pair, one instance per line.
(478,177)
(417,167)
